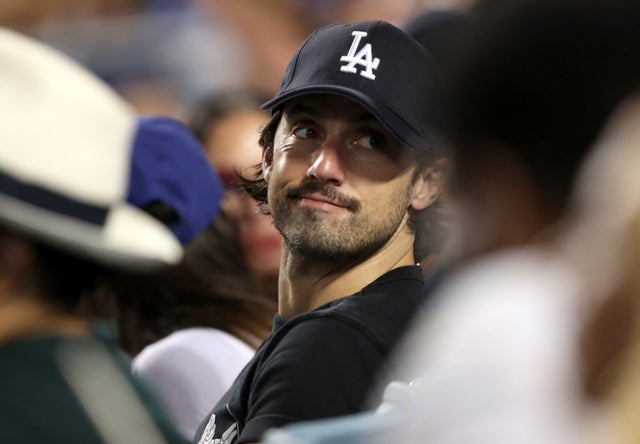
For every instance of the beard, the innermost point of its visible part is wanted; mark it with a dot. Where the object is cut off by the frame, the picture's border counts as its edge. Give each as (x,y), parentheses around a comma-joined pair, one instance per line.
(329,236)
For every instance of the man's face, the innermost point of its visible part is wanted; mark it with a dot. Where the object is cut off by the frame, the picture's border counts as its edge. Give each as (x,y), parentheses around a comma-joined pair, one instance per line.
(339,183)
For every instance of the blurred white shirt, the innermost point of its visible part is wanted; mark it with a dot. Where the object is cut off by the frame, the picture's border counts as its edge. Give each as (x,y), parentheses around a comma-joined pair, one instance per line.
(190,370)
(494,356)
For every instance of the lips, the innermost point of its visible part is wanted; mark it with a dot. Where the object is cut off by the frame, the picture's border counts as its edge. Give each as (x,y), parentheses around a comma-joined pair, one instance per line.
(320,199)
(315,194)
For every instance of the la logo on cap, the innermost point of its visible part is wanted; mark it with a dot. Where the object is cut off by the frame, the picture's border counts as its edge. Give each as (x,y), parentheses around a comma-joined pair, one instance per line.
(364,57)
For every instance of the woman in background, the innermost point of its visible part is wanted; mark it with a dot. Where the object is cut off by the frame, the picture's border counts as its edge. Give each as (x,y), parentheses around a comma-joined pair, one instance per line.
(227,124)
(190,328)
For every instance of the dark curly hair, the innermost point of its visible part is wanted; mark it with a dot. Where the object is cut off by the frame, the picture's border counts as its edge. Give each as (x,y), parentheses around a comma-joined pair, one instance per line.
(203,290)
(428,224)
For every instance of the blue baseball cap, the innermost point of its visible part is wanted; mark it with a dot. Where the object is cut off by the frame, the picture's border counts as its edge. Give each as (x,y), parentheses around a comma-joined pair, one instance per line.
(169,166)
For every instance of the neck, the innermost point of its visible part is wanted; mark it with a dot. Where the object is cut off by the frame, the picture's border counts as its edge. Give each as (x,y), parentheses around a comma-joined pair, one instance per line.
(25,317)
(305,284)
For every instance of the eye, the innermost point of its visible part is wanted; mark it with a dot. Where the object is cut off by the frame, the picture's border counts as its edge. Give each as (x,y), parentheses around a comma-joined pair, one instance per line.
(370,142)
(305,133)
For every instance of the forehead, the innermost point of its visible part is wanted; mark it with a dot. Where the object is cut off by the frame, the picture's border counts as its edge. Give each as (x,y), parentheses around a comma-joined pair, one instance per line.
(233,141)
(330,106)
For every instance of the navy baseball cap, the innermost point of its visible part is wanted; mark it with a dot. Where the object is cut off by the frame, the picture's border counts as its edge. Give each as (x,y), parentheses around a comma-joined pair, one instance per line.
(376,64)
(169,166)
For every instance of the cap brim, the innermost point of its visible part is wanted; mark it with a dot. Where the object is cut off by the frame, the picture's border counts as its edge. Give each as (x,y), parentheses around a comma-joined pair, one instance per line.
(394,123)
(129,238)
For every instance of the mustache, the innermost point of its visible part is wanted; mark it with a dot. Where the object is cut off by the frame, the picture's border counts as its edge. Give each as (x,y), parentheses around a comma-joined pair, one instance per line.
(328,191)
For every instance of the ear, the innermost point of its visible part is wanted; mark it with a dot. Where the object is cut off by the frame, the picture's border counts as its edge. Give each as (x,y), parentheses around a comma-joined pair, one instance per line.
(267,163)
(430,183)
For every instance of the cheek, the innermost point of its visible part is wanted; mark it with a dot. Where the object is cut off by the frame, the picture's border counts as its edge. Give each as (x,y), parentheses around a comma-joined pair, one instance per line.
(289,164)
(378,169)
(277,174)
(271,165)
(394,194)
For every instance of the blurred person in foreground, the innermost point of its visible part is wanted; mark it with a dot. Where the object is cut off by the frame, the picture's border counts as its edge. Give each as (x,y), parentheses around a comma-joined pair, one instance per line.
(351,173)
(228,124)
(191,327)
(497,349)
(65,159)
(609,339)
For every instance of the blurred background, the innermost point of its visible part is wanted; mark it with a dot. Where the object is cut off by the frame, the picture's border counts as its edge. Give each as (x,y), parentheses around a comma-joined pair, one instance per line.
(165,55)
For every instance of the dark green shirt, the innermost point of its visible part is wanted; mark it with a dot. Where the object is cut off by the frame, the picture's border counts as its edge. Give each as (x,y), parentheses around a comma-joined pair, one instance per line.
(57,389)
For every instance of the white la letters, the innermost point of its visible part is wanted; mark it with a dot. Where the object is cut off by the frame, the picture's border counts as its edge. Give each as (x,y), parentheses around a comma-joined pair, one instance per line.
(364,58)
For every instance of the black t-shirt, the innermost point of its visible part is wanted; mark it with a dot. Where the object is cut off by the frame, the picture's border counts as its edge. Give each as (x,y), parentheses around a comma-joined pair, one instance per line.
(318,364)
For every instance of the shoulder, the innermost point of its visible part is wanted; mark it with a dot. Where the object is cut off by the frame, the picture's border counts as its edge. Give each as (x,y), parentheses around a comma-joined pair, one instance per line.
(375,317)
(190,370)
(396,293)
(383,309)
(322,330)
(315,344)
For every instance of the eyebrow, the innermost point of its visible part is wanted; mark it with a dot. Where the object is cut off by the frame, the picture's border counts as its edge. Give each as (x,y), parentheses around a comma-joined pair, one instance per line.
(304,109)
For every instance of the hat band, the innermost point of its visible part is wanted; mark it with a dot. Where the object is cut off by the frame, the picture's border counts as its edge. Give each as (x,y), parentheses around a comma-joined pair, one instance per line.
(52,201)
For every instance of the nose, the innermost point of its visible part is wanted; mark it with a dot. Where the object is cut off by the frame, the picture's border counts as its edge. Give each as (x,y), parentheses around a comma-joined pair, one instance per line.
(327,164)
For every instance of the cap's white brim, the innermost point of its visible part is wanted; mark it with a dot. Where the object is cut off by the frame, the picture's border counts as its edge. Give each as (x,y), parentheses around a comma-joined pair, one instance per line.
(130,238)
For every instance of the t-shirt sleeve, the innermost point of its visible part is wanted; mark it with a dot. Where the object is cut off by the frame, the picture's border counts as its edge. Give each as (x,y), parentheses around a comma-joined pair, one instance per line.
(324,367)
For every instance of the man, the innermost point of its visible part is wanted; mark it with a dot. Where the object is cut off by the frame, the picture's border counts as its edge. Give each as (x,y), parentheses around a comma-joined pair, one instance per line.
(351,176)
(493,358)
(66,153)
